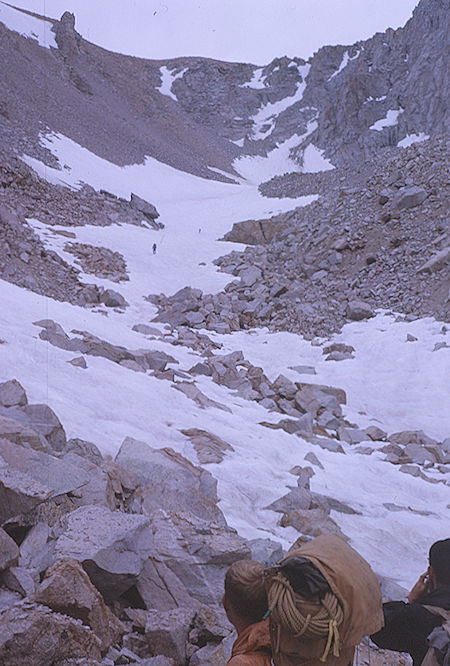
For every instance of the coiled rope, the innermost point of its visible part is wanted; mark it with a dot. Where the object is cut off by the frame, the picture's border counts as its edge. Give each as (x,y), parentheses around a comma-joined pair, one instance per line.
(285,611)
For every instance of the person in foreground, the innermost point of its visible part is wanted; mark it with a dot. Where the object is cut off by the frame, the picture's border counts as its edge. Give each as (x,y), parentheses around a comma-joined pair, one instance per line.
(407,625)
(245,603)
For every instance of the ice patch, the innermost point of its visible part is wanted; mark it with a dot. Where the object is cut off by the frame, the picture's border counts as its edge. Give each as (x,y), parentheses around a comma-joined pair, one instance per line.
(344,62)
(257,82)
(167,79)
(257,169)
(390,120)
(267,114)
(375,99)
(314,161)
(28,26)
(412,138)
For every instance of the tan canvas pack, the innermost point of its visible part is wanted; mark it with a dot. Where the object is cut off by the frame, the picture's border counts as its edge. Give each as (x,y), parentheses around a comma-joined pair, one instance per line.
(324,629)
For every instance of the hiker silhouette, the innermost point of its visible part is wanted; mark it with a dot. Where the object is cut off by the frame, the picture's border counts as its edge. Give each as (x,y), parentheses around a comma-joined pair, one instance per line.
(408,625)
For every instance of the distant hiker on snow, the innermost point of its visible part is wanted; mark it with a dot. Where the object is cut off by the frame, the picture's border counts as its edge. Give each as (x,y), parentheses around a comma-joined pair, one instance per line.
(154,248)
(408,625)
(322,599)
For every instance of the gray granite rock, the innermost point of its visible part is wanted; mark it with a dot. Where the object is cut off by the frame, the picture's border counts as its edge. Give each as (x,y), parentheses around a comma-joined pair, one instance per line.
(358,310)
(112,546)
(12,394)
(29,478)
(169,481)
(66,589)
(144,207)
(9,551)
(167,632)
(408,197)
(33,634)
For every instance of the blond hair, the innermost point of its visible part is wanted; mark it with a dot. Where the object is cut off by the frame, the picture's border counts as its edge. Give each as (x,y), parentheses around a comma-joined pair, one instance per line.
(245,590)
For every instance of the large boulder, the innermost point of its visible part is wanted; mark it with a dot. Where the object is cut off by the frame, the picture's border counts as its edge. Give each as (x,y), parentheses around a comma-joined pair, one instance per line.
(9,551)
(250,275)
(408,197)
(143,207)
(357,310)
(67,589)
(169,481)
(191,634)
(12,394)
(85,449)
(98,488)
(209,447)
(19,432)
(405,437)
(167,633)
(29,478)
(34,635)
(196,552)
(112,299)
(33,549)
(112,546)
(437,261)
(21,580)
(295,500)
(312,523)
(44,420)
(38,419)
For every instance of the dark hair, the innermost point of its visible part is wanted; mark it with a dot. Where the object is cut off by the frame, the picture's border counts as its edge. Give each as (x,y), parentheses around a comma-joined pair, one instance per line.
(440,561)
(244,589)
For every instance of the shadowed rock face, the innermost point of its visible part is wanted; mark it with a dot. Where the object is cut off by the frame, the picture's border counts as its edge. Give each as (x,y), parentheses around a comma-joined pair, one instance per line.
(347,89)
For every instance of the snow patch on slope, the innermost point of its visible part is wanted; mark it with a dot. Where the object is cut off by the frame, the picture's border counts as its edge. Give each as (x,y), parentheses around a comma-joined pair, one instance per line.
(314,161)
(390,120)
(210,205)
(257,82)
(257,169)
(344,62)
(412,138)
(391,383)
(107,402)
(264,119)
(28,26)
(167,79)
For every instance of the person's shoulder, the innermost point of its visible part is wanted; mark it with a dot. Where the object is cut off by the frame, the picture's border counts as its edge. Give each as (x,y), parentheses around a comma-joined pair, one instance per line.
(439,597)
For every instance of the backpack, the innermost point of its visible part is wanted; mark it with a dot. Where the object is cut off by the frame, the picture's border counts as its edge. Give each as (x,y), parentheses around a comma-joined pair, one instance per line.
(439,640)
(322,599)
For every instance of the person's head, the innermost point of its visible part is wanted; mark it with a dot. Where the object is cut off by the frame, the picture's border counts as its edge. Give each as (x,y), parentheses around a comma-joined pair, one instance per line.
(439,558)
(245,598)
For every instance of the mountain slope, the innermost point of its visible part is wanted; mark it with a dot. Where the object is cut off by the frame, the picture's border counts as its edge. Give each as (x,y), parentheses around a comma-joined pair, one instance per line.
(104,101)
(297,391)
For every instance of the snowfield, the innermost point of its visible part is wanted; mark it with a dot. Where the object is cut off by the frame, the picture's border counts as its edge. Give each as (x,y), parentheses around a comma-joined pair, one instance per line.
(391,383)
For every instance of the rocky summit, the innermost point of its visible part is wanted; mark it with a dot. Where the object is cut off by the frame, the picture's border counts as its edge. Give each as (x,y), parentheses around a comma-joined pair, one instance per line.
(225,303)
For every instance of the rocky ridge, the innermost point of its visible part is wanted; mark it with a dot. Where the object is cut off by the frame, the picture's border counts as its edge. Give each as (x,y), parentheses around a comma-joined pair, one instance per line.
(332,101)
(105,102)
(350,101)
(379,236)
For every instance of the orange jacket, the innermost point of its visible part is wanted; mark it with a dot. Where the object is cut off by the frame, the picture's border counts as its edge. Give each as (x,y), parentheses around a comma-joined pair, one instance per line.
(252,646)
